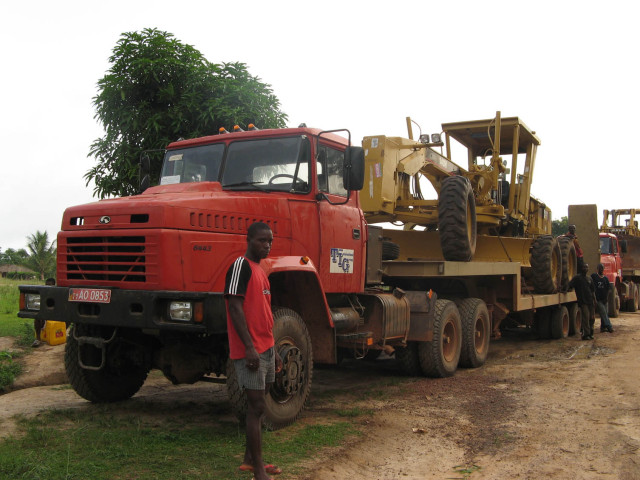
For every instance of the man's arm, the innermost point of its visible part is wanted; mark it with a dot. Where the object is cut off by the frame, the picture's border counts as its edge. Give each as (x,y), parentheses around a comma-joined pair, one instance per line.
(236,312)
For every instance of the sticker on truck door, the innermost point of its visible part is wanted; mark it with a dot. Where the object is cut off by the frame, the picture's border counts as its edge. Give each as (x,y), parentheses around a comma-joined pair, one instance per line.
(341,260)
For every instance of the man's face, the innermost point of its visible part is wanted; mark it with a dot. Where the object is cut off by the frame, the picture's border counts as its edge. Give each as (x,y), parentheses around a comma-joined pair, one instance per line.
(600,269)
(260,244)
(572,230)
(585,269)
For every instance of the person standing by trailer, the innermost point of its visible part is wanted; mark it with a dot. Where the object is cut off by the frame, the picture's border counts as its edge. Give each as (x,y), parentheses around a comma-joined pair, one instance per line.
(251,342)
(585,292)
(602,286)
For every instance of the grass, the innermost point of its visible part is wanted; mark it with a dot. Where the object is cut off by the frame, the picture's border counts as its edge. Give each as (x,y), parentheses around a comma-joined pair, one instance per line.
(9,369)
(102,442)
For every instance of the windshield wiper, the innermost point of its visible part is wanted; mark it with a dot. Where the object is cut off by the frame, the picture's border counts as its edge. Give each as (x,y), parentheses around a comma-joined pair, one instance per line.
(246,184)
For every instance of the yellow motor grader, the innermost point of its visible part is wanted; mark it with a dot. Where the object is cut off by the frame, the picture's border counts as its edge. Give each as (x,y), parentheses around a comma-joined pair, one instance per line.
(484,212)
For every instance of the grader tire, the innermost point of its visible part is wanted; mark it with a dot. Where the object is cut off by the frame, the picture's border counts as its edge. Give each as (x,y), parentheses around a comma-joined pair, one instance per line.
(115,382)
(288,395)
(439,357)
(560,322)
(476,332)
(546,264)
(569,261)
(575,319)
(407,358)
(457,219)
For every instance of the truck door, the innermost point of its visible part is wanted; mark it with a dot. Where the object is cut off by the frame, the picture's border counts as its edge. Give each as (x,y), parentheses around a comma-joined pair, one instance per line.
(342,234)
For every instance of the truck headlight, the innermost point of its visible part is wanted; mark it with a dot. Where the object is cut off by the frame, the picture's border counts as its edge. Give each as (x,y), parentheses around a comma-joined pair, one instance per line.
(180,311)
(32,301)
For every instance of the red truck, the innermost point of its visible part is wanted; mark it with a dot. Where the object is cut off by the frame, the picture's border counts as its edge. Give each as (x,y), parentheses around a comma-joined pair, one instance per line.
(140,279)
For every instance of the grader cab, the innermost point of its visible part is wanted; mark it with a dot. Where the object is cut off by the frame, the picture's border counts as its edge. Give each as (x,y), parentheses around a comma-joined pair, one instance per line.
(483,212)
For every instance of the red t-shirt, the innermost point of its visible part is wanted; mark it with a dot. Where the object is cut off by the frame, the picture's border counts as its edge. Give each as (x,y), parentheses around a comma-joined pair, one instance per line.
(247,279)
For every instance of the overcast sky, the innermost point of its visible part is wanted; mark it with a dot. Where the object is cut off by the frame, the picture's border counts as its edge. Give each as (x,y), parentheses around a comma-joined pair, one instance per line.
(568,69)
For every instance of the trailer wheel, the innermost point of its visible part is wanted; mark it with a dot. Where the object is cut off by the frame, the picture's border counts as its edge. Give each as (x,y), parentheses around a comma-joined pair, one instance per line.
(575,319)
(560,322)
(543,323)
(613,302)
(546,264)
(636,296)
(457,219)
(476,332)
(440,356)
(390,250)
(288,395)
(569,261)
(407,358)
(118,380)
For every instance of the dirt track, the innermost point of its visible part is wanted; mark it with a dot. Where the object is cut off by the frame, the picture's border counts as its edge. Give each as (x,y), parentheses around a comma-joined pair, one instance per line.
(563,409)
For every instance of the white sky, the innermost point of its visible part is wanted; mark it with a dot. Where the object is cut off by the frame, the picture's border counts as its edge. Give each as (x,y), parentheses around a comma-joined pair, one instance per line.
(568,69)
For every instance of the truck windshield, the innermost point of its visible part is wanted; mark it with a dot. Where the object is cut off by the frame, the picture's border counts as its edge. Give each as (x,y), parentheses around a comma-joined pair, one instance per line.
(195,164)
(272,164)
(605,245)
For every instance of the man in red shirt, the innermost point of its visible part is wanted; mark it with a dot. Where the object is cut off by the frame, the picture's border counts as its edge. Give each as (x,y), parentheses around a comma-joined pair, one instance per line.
(251,342)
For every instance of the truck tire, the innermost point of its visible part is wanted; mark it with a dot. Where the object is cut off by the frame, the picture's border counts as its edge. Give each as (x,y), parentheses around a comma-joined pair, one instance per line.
(440,357)
(457,219)
(569,261)
(613,302)
(632,303)
(407,358)
(546,264)
(476,332)
(575,319)
(636,296)
(288,395)
(560,322)
(390,250)
(115,382)
(543,323)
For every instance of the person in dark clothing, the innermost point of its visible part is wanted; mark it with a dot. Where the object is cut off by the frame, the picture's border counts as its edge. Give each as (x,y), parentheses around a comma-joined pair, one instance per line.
(585,292)
(602,285)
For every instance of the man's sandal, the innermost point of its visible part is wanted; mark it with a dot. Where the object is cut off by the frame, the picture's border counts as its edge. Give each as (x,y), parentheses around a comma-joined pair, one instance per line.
(270,469)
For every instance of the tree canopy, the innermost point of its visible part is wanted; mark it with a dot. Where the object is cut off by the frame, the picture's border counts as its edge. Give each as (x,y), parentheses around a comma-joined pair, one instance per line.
(158,90)
(559,227)
(42,255)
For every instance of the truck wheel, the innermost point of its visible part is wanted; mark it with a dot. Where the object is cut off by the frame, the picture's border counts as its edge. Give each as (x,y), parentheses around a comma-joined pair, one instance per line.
(613,302)
(116,381)
(560,322)
(636,296)
(632,303)
(457,219)
(390,250)
(288,395)
(543,323)
(476,332)
(575,319)
(546,264)
(440,356)
(408,359)
(569,261)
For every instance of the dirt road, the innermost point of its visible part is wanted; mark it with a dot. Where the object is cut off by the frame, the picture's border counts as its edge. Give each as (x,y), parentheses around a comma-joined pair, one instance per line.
(565,409)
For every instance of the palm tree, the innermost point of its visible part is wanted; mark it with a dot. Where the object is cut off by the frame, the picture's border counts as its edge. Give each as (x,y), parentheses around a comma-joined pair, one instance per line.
(42,254)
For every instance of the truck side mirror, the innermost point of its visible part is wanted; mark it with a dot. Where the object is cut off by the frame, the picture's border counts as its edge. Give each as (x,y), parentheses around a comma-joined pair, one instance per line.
(353,177)
(623,246)
(145,168)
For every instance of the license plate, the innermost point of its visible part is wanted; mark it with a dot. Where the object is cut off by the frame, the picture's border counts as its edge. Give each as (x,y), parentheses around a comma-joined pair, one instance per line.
(91,295)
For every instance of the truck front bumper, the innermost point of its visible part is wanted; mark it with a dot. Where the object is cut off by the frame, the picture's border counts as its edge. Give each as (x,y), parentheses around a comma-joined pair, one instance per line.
(127,308)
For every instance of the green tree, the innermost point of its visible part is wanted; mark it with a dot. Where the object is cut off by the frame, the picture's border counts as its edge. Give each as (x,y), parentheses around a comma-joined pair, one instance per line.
(42,255)
(559,227)
(13,257)
(158,90)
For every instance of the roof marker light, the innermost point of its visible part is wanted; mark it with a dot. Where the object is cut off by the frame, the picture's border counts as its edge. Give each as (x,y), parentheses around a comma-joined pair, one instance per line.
(236,128)
(251,126)
(222,130)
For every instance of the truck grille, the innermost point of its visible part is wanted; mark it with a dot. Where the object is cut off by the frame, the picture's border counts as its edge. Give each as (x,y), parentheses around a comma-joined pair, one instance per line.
(112,259)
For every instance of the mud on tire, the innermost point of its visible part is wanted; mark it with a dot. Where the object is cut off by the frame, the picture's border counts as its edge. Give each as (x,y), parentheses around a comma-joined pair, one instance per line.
(407,358)
(120,378)
(569,261)
(288,395)
(559,322)
(457,219)
(440,357)
(546,264)
(575,319)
